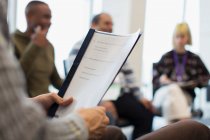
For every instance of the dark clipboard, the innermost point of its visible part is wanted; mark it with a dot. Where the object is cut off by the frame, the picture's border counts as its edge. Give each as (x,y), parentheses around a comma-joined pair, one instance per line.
(64,87)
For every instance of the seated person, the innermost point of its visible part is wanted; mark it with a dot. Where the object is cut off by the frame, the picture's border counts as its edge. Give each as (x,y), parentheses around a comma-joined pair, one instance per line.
(24,119)
(178,73)
(131,105)
(34,52)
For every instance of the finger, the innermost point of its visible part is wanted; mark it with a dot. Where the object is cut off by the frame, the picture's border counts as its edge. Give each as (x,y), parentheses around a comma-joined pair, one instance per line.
(100,108)
(150,104)
(67,101)
(33,36)
(101,111)
(151,108)
(57,99)
(147,106)
(64,102)
(106,120)
(38,29)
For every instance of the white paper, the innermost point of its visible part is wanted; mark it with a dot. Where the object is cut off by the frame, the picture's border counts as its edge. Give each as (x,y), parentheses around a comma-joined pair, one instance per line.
(98,68)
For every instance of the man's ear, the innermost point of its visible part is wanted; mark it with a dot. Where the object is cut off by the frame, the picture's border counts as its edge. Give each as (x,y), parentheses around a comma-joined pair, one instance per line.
(93,25)
(28,18)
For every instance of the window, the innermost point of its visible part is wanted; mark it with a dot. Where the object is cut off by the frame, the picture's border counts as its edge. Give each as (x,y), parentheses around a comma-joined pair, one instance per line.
(70,23)
(97,7)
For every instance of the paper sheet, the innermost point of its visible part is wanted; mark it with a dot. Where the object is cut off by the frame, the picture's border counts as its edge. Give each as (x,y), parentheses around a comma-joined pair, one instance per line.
(100,64)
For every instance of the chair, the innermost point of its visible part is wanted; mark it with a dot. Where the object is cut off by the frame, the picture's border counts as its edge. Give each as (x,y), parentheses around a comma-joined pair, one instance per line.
(67,63)
(208,93)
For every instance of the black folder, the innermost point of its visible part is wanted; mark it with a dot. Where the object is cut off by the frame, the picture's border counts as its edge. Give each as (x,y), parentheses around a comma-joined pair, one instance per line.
(76,63)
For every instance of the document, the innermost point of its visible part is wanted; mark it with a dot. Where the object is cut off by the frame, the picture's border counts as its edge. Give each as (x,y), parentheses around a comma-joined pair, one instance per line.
(101,62)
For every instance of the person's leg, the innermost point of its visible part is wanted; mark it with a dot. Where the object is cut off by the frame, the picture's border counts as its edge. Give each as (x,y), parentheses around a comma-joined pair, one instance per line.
(129,108)
(113,133)
(173,103)
(183,130)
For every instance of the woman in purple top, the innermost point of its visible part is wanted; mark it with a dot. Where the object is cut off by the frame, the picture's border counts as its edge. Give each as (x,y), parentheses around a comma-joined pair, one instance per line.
(176,76)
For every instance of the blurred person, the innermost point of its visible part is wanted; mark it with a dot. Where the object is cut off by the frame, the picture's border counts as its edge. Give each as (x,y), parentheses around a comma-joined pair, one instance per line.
(130,105)
(34,52)
(22,118)
(178,73)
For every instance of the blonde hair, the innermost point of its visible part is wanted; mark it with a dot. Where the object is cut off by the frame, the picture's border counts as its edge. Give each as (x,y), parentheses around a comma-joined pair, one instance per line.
(183,28)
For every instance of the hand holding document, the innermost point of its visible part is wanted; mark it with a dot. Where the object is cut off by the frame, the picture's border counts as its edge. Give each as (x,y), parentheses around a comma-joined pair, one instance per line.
(98,62)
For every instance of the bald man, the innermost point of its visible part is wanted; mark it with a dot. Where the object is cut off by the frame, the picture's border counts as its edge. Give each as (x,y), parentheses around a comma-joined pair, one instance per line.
(130,105)
(34,52)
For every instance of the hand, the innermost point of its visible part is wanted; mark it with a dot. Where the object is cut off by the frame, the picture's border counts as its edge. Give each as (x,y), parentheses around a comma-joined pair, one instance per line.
(96,121)
(110,107)
(147,104)
(46,100)
(193,84)
(39,37)
(189,84)
(164,80)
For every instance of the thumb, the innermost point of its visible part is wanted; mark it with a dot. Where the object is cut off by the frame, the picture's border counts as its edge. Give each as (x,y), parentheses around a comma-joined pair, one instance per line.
(67,101)
(38,29)
(60,101)
(45,31)
(56,99)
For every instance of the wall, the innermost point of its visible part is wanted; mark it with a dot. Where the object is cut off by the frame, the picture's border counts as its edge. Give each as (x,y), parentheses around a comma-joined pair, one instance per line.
(205,31)
(128,16)
(12,7)
(137,21)
(204,49)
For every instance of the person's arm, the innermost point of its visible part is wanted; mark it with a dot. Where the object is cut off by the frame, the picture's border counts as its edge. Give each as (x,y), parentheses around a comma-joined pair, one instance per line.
(129,85)
(128,81)
(23,119)
(27,58)
(159,76)
(203,73)
(56,79)
(38,42)
(96,129)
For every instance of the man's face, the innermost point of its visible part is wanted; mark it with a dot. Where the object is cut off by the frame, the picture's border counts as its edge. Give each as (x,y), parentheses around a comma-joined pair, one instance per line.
(105,23)
(40,17)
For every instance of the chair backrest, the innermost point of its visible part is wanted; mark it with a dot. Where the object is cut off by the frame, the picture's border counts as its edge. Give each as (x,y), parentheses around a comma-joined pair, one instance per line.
(67,63)
(208,93)
(154,75)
